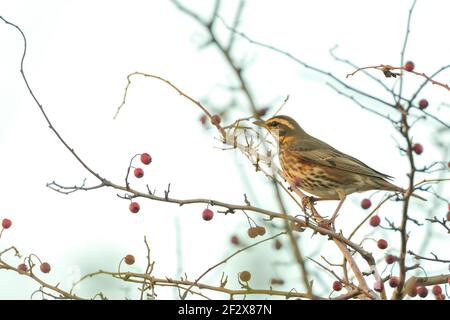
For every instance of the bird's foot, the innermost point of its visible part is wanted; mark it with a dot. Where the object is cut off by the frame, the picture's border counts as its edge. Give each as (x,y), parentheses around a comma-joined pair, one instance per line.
(308,202)
(327,224)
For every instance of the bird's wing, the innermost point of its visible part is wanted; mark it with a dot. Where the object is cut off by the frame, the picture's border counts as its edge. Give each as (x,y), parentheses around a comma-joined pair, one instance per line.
(313,150)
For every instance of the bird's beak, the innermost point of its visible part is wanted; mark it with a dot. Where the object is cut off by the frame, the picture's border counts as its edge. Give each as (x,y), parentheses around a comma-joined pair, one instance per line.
(260,123)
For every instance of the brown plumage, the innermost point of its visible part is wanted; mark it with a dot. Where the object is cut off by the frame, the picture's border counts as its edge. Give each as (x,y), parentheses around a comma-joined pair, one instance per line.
(318,168)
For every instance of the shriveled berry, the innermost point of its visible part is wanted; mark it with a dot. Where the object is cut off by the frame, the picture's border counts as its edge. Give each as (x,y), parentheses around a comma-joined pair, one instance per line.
(278,244)
(252,232)
(417,148)
(146,158)
(215,120)
(423,103)
(207,214)
(138,173)
(375,221)
(276,281)
(448,216)
(6,223)
(134,207)
(366,203)
(45,267)
(22,268)
(129,259)
(261,230)
(245,276)
(409,66)
(389,258)
(337,286)
(393,282)
(422,291)
(382,244)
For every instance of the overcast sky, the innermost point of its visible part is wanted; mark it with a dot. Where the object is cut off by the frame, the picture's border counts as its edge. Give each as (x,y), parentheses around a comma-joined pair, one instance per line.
(79,54)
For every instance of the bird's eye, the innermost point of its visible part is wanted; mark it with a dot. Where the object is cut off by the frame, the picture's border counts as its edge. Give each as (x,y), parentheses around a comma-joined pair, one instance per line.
(273,124)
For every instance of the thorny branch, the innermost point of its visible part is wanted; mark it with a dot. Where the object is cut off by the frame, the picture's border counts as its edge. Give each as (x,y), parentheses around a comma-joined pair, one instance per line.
(435,257)
(387,71)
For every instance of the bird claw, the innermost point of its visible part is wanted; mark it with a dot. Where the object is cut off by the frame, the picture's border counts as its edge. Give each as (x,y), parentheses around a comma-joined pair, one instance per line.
(308,202)
(305,202)
(326,224)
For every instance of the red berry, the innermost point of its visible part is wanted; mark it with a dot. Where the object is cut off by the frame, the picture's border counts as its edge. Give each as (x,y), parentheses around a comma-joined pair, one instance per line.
(207,214)
(378,286)
(337,286)
(382,244)
(22,268)
(366,203)
(138,173)
(6,223)
(409,66)
(448,216)
(423,103)
(129,259)
(235,240)
(375,221)
(412,292)
(437,290)
(203,119)
(45,267)
(417,148)
(422,291)
(393,282)
(389,259)
(448,165)
(215,120)
(146,158)
(134,207)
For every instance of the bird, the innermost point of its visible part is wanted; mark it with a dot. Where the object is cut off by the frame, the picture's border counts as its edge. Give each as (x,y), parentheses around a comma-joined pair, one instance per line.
(319,169)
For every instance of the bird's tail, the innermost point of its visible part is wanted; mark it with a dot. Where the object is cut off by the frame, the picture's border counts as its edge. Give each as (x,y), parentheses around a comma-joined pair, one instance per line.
(386,185)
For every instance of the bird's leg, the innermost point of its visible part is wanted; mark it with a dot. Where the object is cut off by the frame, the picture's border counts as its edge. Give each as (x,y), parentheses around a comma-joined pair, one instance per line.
(308,202)
(342,197)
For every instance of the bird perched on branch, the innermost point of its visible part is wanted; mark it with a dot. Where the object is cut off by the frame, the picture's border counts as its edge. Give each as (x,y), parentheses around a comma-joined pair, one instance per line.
(319,169)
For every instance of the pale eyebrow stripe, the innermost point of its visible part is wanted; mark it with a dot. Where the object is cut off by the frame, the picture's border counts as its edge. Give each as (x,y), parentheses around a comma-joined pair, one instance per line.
(284,122)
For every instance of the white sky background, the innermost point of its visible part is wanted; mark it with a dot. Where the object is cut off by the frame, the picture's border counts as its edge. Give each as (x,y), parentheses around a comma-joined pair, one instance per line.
(79,54)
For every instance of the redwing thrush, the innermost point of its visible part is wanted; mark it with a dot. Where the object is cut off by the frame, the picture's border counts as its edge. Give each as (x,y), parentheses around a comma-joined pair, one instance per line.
(318,168)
